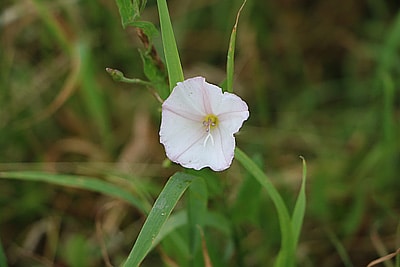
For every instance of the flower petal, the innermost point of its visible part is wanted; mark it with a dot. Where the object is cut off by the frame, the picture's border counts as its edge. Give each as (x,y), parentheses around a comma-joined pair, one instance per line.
(232,111)
(178,133)
(220,155)
(186,138)
(217,155)
(188,96)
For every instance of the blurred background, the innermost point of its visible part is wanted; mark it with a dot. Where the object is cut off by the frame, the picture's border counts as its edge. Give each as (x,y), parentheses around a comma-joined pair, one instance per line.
(321,79)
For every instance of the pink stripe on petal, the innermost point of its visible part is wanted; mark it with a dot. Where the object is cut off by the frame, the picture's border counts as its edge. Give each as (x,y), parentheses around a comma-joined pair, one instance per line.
(206,99)
(191,144)
(183,113)
(233,115)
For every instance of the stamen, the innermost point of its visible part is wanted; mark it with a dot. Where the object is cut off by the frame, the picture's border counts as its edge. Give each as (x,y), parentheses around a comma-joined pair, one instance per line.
(209,136)
(210,121)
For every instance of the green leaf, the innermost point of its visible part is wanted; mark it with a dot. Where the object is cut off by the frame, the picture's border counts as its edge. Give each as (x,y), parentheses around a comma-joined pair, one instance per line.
(231,53)
(136,9)
(287,252)
(300,206)
(81,182)
(154,74)
(249,187)
(143,5)
(148,28)
(158,215)
(173,62)
(219,222)
(126,11)
(389,53)
(179,219)
(3,259)
(55,28)
(76,251)
(197,210)
(340,248)
(174,222)
(93,99)
(130,11)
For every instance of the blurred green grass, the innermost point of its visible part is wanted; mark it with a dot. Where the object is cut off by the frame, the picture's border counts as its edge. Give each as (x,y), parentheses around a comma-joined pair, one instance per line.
(321,80)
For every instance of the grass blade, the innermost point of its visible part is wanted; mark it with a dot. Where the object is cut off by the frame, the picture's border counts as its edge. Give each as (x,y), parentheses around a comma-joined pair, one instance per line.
(287,252)
(389,55)
(340,248)
(3,259)
(300,206)
(175,221)
(75,181)
(172,60)
(94,101)
(231,53)
(158,215)
(197,210)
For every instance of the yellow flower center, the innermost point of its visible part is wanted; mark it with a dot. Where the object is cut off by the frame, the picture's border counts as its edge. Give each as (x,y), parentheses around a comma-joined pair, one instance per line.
(210,121)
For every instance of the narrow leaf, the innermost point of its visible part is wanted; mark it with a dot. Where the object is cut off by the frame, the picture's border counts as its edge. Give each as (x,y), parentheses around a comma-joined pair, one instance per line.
(180,218)
(126,11)
(249,187)
(300,206)
(148,28)
(3,259)
(197,210)
(158,215)
(173,62)
(231,53)
(76,181)
(389,53)
(287,252)
(340,248)
(94,100)
(143,5)
(155,75)
(175,221)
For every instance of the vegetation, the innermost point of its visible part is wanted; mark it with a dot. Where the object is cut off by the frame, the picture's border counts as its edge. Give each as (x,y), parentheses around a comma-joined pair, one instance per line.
(80,160)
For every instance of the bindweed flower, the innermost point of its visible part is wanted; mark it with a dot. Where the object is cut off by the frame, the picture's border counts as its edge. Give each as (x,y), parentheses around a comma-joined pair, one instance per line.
(198,122)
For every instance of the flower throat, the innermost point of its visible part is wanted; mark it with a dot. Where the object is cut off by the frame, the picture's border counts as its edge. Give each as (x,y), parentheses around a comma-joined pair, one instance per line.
(210,121)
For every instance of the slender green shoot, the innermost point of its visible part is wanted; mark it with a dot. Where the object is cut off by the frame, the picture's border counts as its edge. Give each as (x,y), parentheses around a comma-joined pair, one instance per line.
(172,60)
(340,248)
(3,259)
(75,181)
(300,206)
(158,215)
(197,210)
(287,252)
(231,53)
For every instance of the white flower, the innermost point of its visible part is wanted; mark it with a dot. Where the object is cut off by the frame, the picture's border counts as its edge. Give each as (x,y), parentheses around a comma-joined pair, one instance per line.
(198,122)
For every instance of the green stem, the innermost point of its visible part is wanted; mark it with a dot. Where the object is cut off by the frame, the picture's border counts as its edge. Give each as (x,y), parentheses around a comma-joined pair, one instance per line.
(120,77)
